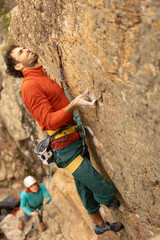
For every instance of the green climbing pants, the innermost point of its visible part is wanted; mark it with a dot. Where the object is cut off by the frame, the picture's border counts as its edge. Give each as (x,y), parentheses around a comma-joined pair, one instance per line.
(92,187)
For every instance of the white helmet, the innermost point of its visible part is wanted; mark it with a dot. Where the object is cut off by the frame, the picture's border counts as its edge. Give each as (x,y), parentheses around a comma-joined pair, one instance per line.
(28,181)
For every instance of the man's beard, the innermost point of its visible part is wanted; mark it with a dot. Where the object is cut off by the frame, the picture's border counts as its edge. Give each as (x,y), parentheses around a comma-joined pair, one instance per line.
(31,61)
(34,59)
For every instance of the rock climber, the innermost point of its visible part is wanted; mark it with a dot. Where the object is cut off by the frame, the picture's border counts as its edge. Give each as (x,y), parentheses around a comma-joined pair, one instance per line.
(33,198)
(49,106)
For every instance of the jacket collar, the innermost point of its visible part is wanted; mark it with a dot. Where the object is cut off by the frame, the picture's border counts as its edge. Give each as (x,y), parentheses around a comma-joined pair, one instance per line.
(36,71)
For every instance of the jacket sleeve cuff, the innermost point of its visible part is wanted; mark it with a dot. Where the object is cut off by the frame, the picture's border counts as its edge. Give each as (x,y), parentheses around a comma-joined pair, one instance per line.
(67,113)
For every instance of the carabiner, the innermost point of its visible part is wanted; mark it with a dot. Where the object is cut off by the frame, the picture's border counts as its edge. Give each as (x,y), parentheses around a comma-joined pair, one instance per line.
(59,51)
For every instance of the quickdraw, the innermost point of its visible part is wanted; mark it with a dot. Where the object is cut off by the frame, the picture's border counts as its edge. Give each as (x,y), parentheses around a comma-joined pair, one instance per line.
(81,129)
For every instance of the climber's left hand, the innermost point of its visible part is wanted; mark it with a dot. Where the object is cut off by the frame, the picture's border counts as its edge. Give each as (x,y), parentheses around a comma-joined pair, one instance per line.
(45,202)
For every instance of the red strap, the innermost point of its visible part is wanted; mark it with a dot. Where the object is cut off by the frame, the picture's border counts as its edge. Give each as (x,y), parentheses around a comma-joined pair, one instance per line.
(70,139)
(16,196)
(14,211)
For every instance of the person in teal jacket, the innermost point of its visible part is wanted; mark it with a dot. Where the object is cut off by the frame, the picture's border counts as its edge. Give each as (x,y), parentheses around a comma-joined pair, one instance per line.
(32,201)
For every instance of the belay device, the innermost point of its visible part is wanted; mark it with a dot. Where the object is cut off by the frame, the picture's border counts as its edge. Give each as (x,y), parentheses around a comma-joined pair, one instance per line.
(44,151)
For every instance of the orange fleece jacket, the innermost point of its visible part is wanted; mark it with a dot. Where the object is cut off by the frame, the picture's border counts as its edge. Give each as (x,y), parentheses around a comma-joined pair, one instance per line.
(45,100)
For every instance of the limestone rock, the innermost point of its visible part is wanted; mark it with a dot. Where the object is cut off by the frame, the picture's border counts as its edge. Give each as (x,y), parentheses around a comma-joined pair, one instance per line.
(17,135)
(64,216)
(157,237)
(111,48)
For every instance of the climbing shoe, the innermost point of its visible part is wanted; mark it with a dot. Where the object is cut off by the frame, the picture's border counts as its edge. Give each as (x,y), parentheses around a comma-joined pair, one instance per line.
(115,227)
(20,225)
(114,204)
(43,226)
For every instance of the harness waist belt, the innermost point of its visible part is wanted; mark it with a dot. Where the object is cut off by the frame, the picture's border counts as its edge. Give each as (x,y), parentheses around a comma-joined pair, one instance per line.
(40,205)
(64,132)
(74,164)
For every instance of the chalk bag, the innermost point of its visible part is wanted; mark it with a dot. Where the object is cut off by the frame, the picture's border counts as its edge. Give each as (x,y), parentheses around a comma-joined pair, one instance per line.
(44,151)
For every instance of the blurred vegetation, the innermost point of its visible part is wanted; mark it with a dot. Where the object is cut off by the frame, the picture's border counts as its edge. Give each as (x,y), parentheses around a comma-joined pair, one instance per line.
(9,42)
(28,172)
(4,26)
(5,18)
(1,4)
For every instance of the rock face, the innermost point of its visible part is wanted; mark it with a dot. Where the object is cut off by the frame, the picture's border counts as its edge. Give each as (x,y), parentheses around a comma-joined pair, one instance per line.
(111,48)
(11,160)
(64,216)
(16,154)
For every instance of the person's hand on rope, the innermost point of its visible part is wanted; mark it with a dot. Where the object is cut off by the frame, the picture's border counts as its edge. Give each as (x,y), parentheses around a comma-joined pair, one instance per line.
(80,101)
(45,202)
(35,213)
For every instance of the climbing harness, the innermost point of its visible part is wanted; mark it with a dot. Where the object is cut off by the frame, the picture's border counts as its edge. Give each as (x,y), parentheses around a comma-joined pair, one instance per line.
(71,167)
(81,129)
(62,132)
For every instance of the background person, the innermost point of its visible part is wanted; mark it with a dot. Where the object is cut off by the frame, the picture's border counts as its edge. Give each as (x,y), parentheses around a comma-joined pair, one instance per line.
(32,201)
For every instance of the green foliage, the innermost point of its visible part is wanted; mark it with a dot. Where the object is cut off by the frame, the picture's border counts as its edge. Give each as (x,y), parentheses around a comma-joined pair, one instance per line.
(8,44)
(5,18)
(28,172)
(1,3)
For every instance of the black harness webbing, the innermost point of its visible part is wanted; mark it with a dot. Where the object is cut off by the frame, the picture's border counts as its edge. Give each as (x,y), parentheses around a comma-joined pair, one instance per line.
(52,137)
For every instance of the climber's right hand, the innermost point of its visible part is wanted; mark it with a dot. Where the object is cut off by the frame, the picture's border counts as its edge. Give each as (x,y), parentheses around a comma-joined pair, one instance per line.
(35,213)
(80,101)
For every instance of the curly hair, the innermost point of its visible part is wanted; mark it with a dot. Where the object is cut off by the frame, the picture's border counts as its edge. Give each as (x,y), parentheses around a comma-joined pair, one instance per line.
(11,63)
